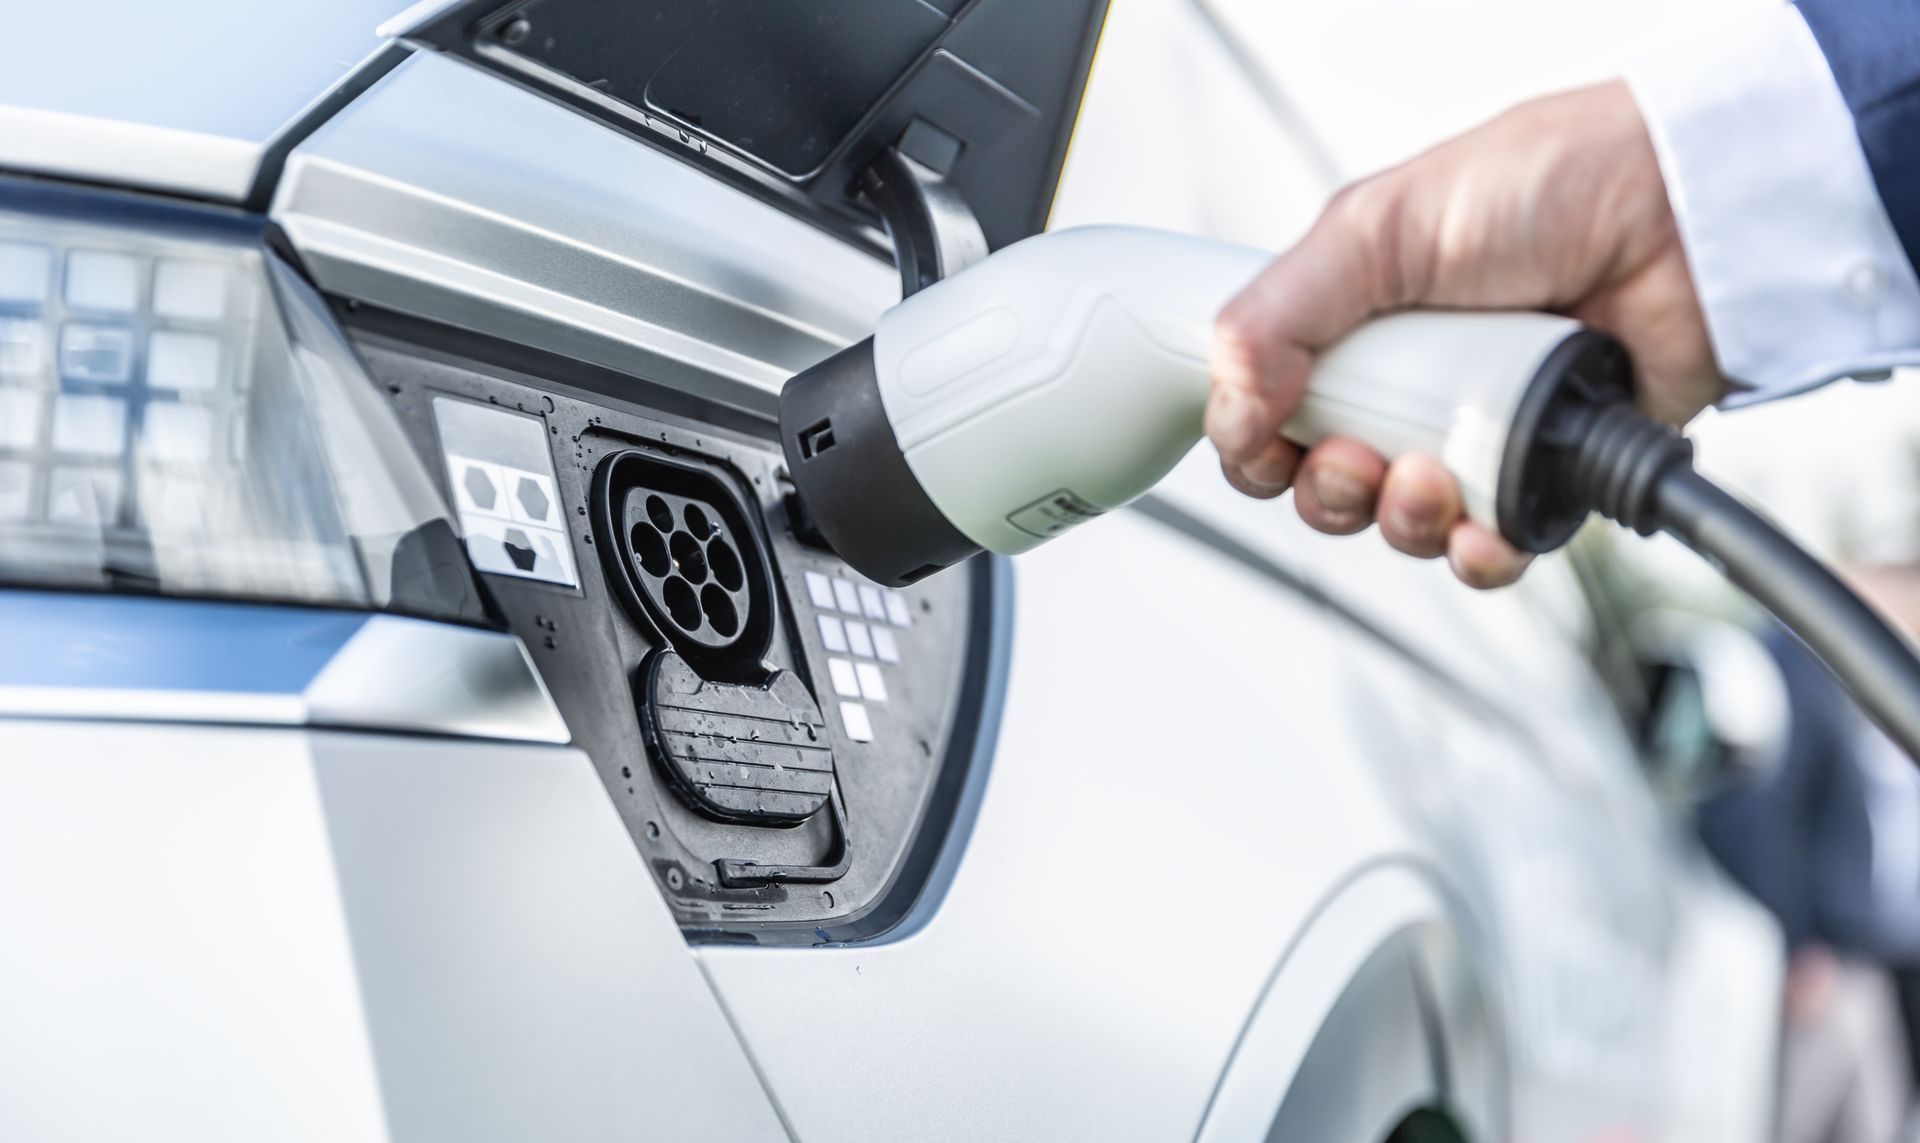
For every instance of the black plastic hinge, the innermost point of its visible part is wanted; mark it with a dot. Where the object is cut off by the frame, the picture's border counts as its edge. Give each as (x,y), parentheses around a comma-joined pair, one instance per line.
(934,232)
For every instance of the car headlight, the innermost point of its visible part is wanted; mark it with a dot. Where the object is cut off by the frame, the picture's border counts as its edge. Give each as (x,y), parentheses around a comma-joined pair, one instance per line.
(179,414)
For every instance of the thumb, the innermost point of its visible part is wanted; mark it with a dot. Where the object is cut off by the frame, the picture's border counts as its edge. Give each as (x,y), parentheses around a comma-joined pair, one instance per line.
(1345,270)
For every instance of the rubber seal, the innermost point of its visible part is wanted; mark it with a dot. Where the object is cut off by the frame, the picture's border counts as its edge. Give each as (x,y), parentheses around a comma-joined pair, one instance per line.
(853,479)
(1538,510)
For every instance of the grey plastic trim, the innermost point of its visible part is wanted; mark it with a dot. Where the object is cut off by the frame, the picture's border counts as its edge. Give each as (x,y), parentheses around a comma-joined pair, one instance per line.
(148,659)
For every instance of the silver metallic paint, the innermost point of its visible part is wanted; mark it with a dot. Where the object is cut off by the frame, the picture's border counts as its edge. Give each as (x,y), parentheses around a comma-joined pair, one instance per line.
(450,195)
(236,934)
(156,96)
(1148,844)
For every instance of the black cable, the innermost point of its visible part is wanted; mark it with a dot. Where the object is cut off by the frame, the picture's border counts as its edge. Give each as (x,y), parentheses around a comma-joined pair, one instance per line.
(1868,657)
(1579,445)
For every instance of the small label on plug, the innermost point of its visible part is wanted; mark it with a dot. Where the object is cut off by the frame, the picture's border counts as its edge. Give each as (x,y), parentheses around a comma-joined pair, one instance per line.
(1053,514)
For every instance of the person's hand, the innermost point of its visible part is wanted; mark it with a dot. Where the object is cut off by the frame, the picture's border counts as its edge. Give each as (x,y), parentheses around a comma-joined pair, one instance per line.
(1556,205)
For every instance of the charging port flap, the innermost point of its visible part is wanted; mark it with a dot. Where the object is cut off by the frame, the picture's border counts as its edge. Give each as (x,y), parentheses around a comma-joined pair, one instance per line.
(739,753)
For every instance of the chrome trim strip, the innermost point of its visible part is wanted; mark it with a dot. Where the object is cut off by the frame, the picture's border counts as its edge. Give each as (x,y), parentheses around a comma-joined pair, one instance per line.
(150,659)
(447,194)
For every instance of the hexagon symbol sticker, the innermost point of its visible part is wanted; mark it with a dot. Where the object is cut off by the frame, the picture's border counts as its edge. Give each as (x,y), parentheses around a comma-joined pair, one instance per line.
(478,485)
(530,497)
(534,500)
(520,549)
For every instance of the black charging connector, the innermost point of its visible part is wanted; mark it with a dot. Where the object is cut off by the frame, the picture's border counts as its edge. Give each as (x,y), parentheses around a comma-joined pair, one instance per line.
(1579,445)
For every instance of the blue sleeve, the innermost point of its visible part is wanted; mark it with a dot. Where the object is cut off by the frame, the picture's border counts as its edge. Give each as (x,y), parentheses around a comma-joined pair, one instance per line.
(1873,47)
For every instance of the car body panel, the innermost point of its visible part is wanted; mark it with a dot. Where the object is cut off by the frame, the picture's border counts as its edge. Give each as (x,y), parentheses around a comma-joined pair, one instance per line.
(195,661)
(1130,883)
(281,933)
(110,104)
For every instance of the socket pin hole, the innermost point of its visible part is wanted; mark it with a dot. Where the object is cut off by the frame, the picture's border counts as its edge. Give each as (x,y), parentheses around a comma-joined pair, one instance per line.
(660,514)
(724,562)
(688,559)
(697,522)
(719,608)
(651,550)
(682,604)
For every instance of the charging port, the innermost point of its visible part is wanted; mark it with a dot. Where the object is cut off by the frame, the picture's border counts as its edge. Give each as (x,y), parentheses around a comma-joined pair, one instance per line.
(685,560)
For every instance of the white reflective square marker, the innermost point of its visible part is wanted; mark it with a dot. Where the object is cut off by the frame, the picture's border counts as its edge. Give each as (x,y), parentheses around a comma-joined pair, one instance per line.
(98,280)
(186,362)
(846,681)
(897,610)
(96,353)
(174,432)
(24,272)
(847,596)
(833,634)
(20,413)
(194,291)
(871,605)
(23,349)
(93,425)
(884,646)
(860,639)
(853,716)
(820,590)
(872,686)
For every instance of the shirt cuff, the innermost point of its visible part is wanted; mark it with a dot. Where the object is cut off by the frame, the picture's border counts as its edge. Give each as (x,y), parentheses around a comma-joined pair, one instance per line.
(1799,271)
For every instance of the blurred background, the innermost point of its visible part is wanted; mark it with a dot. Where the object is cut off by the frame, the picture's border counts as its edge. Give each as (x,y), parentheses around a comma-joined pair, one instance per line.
(1237,118)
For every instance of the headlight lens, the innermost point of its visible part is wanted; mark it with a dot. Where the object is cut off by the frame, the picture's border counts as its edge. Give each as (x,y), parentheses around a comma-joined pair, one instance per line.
(179,413)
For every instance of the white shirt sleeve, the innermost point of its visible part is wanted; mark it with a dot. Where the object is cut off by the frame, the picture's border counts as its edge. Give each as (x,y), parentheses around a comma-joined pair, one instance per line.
(1799,271)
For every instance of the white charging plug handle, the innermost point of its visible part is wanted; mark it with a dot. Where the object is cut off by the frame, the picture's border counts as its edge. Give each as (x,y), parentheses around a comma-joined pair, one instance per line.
(1066,374)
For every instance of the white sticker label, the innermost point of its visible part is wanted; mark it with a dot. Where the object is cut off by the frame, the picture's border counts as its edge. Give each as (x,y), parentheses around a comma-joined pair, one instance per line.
(506,547)
(501,472)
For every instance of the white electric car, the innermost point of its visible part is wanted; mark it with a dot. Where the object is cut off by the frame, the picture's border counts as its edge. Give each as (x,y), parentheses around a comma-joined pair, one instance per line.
(425,714)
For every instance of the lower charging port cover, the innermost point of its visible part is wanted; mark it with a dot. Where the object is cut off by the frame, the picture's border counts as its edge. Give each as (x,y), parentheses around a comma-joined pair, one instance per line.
(738,753)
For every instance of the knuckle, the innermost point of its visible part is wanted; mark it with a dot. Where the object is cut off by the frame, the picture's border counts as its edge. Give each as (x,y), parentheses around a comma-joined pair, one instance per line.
(1239,335)
(1371,217)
